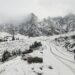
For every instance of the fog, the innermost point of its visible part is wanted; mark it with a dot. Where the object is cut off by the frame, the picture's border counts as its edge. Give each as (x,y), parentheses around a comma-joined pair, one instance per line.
(9,9)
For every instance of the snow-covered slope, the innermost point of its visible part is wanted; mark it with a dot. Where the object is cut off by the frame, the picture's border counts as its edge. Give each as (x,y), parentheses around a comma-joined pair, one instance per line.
(56,60)
(4,34)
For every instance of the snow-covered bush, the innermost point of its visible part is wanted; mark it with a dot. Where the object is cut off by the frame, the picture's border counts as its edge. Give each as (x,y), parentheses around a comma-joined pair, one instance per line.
(65,37)
(16,53)
(50,67)
(2,40)
(35,45)
(66,44)
(39,73)
(6,55)
(34,60)
(73,45)
(27,51)
(73,37)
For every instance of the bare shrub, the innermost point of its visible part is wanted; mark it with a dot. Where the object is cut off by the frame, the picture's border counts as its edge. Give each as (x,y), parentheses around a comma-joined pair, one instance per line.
(35,45)
(6,55)
(34,60)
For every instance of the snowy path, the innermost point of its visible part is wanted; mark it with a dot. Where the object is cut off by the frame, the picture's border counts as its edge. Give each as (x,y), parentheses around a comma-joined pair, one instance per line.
(62,54)
(66,62)
(62,67)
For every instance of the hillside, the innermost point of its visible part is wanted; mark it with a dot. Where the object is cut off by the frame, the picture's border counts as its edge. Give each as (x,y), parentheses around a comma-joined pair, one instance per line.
(32,26)
(52,57)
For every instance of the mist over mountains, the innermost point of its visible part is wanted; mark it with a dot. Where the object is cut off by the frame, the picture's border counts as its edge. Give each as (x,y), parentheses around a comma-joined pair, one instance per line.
(30,25)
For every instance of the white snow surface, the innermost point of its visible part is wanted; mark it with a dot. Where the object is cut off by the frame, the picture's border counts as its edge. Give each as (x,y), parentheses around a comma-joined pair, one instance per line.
(53,56)
(4,34)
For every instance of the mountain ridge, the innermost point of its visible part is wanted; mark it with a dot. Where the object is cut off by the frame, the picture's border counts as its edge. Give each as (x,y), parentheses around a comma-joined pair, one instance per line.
(32,26)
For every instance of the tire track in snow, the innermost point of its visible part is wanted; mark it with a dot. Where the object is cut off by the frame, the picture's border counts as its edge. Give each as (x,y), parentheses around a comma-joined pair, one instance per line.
(62,60)
(65,55)
(61,67)
(61,52)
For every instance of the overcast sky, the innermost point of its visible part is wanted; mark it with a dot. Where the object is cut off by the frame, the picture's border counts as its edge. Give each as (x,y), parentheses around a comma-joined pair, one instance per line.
(42,8)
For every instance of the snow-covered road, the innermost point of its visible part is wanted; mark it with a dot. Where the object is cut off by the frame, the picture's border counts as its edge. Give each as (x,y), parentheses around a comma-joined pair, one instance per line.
(63,66)
(64,59)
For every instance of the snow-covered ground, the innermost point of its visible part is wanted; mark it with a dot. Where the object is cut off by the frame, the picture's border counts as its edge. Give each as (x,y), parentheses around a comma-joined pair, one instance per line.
(4,34)
(56,60)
